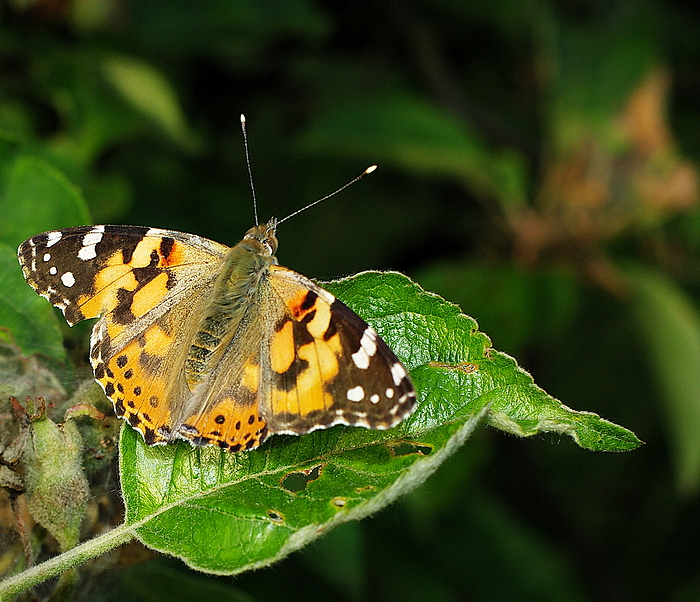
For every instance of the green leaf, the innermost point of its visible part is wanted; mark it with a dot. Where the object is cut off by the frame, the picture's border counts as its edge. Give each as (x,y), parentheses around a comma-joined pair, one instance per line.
(670,324)
(403,130)
(34,197)
(149,91)
(226,513)
(28,319)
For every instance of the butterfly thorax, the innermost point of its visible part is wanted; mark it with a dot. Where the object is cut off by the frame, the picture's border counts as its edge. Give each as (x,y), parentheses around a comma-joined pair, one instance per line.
(234,293)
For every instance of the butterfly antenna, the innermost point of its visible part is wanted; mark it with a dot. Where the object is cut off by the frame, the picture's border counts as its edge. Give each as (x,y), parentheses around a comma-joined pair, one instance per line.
(367,171)
(250,171)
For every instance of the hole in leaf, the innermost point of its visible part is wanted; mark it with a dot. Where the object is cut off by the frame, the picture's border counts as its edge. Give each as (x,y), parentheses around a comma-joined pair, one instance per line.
(275,516)
(365,488)
(406,448)
(298,480)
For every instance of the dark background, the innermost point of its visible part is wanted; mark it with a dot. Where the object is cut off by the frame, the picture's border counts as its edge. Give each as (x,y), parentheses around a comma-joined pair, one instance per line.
(537,165)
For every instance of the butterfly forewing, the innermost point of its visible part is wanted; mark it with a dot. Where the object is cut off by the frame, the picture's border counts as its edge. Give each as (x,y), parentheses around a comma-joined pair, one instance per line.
(90,270)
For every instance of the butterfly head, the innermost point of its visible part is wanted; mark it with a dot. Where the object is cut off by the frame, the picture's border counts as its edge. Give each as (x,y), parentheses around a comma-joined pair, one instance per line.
(263,237)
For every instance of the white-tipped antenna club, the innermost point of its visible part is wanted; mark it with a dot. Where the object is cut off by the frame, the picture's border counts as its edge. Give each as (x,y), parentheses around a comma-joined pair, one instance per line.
(369,170)
(250,171)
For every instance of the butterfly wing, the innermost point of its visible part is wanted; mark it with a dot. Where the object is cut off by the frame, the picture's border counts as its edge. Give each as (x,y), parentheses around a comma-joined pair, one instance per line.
(325,365)
(147,285)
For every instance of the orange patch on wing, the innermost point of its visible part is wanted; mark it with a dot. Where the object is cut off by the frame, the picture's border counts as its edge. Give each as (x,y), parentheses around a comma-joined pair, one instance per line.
(282,352)
(318,325)
(150,295)
(175,256)
(107,282)
(114,329)
(309,393)
(295,304)
(155,341)
(251,377)
(141,256)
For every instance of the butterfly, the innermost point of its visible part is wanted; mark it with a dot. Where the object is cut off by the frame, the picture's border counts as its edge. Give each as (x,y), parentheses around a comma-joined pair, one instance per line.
(213,344)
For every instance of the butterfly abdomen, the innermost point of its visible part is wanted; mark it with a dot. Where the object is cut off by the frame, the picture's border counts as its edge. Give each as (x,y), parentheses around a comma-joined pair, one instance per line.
(232,294)
(205,343)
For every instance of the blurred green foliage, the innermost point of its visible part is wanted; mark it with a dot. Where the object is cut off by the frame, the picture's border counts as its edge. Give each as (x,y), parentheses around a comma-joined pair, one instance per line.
(537,166)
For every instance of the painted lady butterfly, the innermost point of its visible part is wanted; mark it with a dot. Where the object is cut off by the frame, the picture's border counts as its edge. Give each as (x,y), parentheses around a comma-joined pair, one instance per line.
(215,345)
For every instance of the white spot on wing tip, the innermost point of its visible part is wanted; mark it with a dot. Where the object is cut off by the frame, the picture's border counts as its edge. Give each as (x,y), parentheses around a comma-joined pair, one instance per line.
(368,342)
(94,236)
(68,279)
(87,253)
(398,373)
(361,359)
(53,237)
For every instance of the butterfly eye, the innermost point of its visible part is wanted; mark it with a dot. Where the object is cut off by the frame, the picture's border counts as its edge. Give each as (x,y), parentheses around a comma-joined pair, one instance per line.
(270,243)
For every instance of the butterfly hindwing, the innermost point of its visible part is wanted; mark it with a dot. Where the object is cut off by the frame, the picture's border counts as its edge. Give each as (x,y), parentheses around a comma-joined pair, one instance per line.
(224,408)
